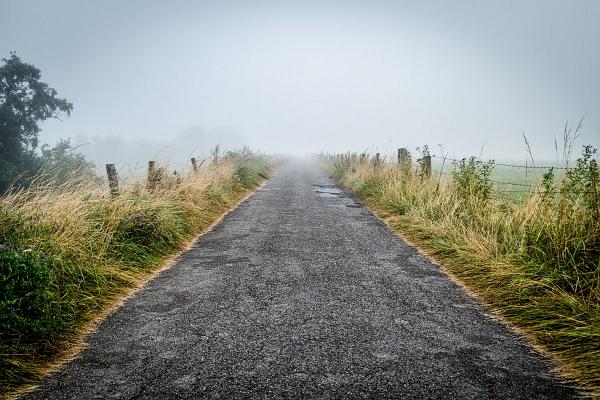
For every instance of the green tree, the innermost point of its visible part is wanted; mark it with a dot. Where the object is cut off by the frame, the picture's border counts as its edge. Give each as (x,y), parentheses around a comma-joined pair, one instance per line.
(24,101)
(60,161)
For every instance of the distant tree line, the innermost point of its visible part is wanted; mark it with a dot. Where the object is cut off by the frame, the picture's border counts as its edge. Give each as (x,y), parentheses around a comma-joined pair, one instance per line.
(24,102)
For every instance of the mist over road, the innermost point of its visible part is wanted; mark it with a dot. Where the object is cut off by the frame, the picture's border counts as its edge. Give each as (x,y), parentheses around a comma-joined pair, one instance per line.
(302,293)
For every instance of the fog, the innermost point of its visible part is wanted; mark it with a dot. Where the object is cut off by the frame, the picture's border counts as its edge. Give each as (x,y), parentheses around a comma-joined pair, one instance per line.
(170,79)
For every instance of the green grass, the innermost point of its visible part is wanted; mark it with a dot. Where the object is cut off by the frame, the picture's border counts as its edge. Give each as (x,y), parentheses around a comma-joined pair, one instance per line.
(68,251)
(535,260)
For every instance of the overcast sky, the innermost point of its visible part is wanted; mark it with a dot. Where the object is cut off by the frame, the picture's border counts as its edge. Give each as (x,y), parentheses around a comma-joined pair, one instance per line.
(310,76)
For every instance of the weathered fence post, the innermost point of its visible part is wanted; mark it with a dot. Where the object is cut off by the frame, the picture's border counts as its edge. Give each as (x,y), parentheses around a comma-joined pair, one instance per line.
(215,154)
(194,164)
(377,159)
(427,165)
(402,155)
(152,175)
(113,181)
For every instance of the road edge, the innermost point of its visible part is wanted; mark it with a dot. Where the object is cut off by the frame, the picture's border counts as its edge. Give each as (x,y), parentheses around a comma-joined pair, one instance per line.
(77,343)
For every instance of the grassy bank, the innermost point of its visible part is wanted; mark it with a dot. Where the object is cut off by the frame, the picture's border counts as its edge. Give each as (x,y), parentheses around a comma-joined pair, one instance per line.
(536,261)
(67,251)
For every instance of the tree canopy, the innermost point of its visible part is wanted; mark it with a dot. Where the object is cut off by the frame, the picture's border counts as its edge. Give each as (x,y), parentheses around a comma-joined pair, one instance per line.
(62,160)
(24,102)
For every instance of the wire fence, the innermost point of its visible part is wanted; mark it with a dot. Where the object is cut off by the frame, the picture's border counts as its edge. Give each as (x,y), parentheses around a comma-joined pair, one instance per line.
(511,178)
(516,187)
(530,166)
(530,174)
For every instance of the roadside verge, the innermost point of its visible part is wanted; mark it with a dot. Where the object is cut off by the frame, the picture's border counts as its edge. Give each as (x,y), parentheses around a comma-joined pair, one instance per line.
(76,254)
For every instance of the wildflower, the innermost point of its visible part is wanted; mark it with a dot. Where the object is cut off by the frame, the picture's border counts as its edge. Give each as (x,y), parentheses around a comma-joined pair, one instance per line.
(5,247)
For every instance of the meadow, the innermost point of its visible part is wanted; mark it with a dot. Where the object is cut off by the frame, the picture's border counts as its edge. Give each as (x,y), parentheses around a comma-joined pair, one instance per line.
(531,253)
(70,249)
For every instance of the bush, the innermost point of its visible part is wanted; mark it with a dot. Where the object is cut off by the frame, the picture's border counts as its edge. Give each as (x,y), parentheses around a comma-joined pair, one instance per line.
(424,167)
(62,162)
(582,185)
(26,298)
(471,179)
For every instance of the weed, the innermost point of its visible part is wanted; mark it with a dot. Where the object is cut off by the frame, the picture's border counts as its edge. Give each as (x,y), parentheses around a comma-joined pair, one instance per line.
(472,179)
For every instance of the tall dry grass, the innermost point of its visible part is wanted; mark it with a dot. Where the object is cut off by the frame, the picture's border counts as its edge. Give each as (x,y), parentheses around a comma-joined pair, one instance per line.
(67,250)
(536,261)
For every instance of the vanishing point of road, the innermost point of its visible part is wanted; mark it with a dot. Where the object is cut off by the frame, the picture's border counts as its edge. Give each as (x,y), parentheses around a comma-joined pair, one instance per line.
(301,292)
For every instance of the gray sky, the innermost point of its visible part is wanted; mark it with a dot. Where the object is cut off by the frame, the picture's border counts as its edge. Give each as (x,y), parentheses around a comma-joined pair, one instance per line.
(310,76)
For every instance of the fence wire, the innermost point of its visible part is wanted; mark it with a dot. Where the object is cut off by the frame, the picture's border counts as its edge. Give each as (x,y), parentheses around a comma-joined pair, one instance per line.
(504,164)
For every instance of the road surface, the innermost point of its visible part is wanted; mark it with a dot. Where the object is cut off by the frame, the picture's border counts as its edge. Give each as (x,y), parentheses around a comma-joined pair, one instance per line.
(302,293)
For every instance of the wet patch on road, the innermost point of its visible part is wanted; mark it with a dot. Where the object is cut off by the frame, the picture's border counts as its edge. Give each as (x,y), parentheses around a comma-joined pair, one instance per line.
(329,191)
(354,205)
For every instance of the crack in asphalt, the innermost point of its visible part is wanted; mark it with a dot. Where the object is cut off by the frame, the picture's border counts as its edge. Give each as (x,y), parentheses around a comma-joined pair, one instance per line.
(296,294)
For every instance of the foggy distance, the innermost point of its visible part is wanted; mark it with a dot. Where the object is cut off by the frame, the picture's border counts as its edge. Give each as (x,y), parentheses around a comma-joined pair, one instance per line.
(312,76)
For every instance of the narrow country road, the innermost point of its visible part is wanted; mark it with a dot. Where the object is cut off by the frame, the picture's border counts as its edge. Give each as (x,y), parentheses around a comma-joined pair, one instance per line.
(302,293)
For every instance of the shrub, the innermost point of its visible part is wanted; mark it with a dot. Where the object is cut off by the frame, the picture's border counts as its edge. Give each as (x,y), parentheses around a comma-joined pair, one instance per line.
(582,184)
(472,179)
(26,298)
(423,166)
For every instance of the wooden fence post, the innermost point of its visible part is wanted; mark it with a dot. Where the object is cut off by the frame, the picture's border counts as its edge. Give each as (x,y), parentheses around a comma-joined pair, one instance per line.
(113,181)
(152,175)
(377,159)
(194,164)
(427,165)
(215,154)
(402,155)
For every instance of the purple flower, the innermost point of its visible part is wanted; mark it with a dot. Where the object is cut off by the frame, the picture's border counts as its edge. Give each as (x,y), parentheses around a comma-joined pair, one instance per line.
(5,247)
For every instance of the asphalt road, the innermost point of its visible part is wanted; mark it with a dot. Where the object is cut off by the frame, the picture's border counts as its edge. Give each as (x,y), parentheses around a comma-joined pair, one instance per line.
(302,293)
